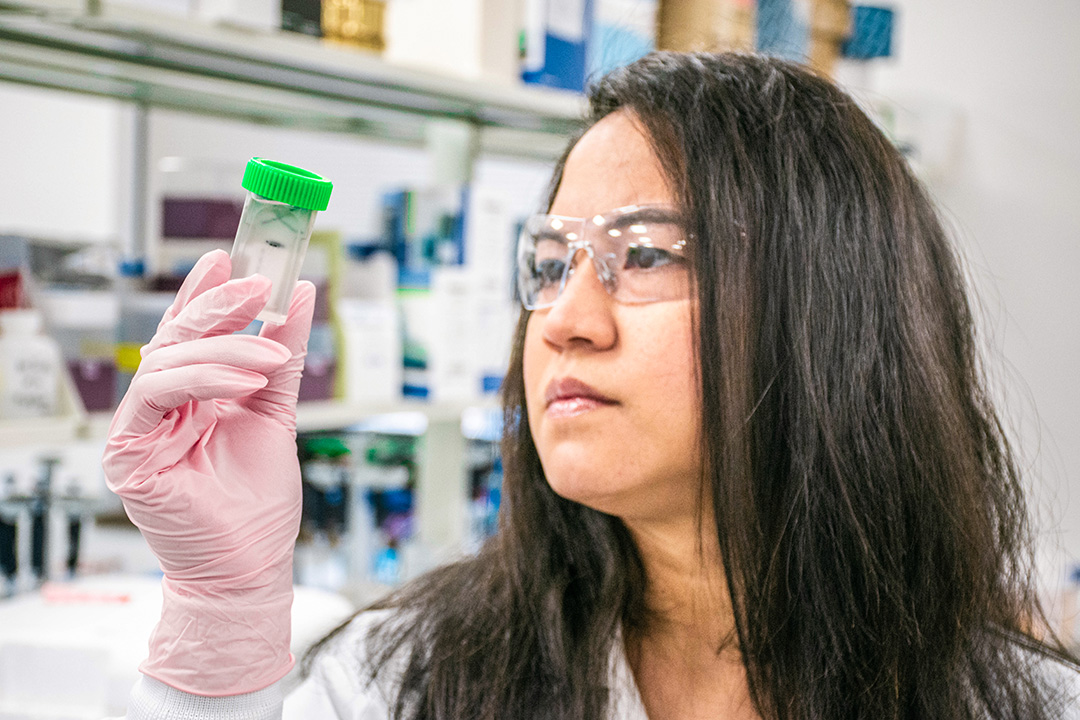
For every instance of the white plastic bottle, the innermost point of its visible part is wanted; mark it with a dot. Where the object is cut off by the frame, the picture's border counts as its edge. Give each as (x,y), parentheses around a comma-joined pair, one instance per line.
(30,367)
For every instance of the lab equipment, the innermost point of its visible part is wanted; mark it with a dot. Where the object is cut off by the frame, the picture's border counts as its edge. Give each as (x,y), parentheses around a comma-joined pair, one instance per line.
(41,496)
(325,471)
(9,537)
(215,488)
(275,226)
(40,505)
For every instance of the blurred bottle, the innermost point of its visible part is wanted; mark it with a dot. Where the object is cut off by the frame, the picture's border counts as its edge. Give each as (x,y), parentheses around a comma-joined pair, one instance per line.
(84,323)
(30,367)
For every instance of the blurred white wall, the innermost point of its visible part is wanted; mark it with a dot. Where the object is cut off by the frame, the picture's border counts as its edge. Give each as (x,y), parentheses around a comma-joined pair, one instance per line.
(60,161)
(995,83)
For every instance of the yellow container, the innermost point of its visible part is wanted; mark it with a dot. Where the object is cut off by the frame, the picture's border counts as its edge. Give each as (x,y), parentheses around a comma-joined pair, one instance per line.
(357,23)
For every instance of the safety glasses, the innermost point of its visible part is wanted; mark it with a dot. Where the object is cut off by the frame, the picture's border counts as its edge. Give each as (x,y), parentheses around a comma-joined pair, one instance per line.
(638,252)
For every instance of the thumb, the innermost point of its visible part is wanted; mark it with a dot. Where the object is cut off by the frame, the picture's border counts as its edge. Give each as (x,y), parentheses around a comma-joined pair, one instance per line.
(279,395)
(294,332)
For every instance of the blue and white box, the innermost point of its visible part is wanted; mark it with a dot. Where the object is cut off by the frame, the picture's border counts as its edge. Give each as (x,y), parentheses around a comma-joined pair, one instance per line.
(556,40)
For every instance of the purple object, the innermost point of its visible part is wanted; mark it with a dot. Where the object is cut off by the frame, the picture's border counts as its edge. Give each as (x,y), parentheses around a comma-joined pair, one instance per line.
(321,315)
(215,218)
(317,382)
(95,379)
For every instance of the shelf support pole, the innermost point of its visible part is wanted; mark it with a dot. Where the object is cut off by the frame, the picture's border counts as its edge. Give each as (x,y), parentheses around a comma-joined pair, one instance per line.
(136,176)
(442,506)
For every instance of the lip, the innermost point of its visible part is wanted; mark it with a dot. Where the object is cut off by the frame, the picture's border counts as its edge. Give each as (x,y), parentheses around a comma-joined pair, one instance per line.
(570,396)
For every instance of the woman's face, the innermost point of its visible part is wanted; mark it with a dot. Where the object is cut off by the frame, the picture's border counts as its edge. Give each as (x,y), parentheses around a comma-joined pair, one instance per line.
(611,389)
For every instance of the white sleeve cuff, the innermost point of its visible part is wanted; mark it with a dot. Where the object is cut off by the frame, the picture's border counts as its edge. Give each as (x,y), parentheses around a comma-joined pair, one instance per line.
(154,700)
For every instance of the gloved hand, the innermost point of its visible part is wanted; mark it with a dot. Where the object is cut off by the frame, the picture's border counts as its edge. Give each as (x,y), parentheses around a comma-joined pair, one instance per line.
(202,452)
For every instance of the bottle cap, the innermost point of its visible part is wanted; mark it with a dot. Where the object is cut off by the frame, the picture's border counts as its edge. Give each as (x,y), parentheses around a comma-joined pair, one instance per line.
(287,184)
(20,322)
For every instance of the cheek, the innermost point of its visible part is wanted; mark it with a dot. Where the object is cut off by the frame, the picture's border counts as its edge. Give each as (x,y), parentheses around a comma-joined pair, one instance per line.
(673,387)
(533,360)
(669,398)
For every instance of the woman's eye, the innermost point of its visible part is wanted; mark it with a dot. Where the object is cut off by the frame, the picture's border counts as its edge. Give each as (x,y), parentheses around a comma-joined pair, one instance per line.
(549,272)
(645,257)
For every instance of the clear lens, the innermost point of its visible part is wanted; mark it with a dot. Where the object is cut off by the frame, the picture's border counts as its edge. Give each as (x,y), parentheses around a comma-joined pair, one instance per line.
(639,254)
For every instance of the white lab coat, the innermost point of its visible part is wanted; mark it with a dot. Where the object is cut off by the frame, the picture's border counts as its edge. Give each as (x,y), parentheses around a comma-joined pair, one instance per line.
(335,690)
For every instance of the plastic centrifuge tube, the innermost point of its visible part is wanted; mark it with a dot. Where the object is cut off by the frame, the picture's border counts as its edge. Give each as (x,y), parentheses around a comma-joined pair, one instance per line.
(275,226)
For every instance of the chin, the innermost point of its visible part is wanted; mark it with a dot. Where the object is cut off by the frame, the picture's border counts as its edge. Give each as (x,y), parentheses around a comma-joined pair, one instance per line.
(588,491)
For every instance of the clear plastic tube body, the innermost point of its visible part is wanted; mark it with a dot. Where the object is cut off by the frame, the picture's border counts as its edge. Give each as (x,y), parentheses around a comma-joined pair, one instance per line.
(271,241)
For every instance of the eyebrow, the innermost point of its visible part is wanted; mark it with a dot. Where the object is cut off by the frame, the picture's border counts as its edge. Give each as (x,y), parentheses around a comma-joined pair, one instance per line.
(549,234)
(646,215)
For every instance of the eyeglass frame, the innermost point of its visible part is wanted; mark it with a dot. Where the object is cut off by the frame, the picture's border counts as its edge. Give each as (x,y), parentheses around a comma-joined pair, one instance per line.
(670,214)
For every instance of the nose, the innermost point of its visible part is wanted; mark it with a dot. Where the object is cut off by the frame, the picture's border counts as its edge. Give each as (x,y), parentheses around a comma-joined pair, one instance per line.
(583,312)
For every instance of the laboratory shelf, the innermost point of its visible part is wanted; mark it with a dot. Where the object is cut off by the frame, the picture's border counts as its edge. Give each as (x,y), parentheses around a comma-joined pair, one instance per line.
(279,78)
(40,431)
(333,414)
(328,415)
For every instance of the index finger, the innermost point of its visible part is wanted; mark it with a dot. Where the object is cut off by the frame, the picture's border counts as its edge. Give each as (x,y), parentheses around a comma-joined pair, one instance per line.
(220,310)
(211,270)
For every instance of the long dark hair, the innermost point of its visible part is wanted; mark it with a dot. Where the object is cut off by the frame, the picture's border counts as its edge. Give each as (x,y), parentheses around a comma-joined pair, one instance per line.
(869,512)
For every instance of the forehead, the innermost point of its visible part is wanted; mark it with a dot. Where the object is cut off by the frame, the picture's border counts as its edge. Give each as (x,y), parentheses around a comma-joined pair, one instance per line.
(613,165)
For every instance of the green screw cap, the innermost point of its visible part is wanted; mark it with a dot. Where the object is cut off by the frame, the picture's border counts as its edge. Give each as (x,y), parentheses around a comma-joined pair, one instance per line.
(287,184)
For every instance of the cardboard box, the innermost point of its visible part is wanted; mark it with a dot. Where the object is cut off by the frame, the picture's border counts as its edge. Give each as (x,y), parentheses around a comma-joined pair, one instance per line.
(707,25)
(805,31)
(830,25)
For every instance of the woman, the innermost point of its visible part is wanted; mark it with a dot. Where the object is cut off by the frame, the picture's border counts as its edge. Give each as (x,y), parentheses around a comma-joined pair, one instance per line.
(751,467)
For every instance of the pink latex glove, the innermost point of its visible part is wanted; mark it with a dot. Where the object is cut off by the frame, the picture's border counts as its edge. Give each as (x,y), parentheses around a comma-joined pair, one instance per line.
(202,452)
